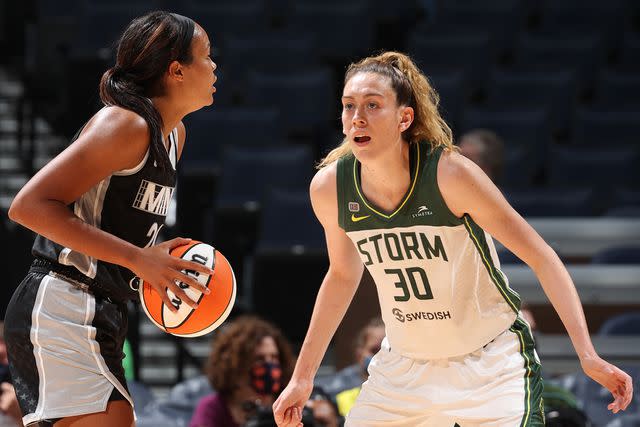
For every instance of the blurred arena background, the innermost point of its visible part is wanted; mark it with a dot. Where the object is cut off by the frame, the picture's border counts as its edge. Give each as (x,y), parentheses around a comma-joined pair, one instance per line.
(558,81)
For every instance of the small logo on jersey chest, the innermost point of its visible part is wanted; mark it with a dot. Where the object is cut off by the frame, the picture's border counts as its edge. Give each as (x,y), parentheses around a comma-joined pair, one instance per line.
(355,218)
(153,198)
(354,207)
(422,211)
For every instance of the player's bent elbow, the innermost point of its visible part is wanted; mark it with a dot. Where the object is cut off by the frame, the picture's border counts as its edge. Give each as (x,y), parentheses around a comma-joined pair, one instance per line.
(16,210)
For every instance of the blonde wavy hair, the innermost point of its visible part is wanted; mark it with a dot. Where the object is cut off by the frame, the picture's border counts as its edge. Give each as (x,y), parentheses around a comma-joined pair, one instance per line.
(412,89)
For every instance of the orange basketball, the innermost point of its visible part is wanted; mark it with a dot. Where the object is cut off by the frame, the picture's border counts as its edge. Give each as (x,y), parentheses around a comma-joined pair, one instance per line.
(212,309)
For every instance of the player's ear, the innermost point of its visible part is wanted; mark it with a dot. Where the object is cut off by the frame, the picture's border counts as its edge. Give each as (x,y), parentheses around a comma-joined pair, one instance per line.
(406,118)
(176,71)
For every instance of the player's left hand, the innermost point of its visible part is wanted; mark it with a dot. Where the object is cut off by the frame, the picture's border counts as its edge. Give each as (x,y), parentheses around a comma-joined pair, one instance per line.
(613,379)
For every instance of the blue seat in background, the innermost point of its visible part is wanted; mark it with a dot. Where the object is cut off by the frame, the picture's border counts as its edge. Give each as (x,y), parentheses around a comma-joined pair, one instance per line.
(606,128)
(469,52)
(288,224)
(344,30)
(247,176)
(597,167)
(272,51)
(101,26)
(249,172)
(583,54)
(616,90)
(529,130)
(618,255)
(519,171)
(306,98)
(290,261)
(503,19)
(555,92)
(450,87)
(584,17)
(629,53)
(552,202)
(221,18)
(211,129)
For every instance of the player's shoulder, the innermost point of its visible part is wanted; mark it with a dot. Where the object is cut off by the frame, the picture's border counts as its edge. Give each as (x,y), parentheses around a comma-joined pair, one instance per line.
(454,168)
(323,184)
(120,124)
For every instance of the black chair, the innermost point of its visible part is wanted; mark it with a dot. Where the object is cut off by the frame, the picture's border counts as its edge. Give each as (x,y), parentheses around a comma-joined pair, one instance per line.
(289,263)
(617,91)
(451,89)
(528,130)
(606,127)
(581,54)
(306,98)
(273,51)
(343,30)
(210,130)
(502,18)
(575,17)
(552,203)
(222,18)
(469,53)
(247,175)
(555,92)
(596,167)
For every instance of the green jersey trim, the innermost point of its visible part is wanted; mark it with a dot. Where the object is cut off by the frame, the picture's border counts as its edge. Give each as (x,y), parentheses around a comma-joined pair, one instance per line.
(477,236)
(533,403)
(406,198)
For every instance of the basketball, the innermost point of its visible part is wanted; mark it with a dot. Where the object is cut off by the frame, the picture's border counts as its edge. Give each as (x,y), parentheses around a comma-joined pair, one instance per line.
(212,309)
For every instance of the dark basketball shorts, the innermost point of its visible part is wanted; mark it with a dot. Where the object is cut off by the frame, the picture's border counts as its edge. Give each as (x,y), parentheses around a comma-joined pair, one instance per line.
(65,348)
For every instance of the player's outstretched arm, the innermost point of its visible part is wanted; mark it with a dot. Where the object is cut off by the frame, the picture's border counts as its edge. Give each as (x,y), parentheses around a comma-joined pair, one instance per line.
(334,297)
(467,190)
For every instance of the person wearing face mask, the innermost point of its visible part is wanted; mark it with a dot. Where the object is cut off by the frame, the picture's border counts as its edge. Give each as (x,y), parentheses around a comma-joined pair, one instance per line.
(250,363)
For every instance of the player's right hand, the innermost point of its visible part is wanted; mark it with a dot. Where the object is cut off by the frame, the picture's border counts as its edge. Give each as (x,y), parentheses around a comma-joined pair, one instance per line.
(287,409)
(156,266)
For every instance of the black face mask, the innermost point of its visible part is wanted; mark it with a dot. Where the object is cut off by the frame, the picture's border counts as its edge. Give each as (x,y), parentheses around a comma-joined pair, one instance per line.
(266,378)
(5,376)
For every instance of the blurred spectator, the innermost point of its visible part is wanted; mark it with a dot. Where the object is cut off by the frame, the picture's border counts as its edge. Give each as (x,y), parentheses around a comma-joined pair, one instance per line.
(10,414)
(320,410)
(250,363)
(345,384)
(485,149)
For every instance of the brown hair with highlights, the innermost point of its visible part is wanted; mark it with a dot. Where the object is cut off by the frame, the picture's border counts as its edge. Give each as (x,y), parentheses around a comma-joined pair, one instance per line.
(412,89)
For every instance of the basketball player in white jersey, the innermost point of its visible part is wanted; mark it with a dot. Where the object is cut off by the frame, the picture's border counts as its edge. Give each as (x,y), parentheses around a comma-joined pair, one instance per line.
(97,209)
(397,198)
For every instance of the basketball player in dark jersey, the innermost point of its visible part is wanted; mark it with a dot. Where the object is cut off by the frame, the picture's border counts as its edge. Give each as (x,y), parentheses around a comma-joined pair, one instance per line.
(397,198)
(97,209)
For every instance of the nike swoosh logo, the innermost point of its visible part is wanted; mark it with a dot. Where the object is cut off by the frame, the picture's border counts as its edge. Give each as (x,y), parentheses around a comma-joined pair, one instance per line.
(355,218)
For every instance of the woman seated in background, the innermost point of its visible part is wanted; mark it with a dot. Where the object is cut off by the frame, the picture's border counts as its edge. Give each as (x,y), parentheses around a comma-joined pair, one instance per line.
(250,362)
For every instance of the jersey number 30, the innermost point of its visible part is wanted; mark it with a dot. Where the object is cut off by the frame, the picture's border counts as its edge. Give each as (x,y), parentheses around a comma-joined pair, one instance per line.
(417,280)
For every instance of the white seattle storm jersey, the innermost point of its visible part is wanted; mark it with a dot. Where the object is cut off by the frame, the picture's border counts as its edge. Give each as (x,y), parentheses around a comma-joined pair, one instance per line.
(438,277)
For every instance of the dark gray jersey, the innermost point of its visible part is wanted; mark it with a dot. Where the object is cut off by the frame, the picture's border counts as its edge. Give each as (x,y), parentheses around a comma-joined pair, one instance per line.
(131,204)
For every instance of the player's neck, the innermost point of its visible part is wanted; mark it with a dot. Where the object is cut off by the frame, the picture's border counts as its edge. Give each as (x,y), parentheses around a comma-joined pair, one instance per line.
(385,180)
(171,115)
